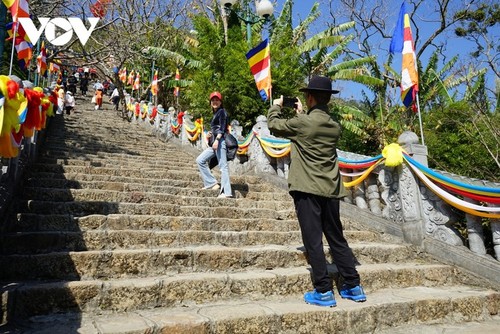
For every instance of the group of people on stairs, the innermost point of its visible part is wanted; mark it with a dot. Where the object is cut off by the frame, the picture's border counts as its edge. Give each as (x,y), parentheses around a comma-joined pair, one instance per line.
(314,182)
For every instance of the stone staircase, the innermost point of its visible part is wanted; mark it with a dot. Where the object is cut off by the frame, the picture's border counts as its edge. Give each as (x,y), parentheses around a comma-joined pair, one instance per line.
(112,233)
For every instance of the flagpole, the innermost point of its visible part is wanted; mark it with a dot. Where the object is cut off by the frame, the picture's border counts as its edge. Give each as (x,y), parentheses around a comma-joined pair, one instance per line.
(37,75)
(420,120)
(13,42)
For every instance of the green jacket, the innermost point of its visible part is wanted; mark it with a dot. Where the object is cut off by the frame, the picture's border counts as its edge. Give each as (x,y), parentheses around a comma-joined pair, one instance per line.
(314,167)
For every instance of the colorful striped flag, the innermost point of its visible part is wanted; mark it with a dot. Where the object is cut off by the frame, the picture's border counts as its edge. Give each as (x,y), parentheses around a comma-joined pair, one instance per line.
(22,44)
(402,42)
(41,60)
(130,79)
(19,8)
(54,67)
(20,31)
(137,82)
(24,52)
(259,59)
(154,84)
(123,75)
(177,78)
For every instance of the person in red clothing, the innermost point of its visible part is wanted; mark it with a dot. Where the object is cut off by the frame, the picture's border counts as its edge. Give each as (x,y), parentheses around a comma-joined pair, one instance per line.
(98,99)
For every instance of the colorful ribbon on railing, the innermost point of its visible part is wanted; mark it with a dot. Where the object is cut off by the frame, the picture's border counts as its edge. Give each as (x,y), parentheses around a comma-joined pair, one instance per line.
(363,176)
(175,126)
(473,209)
(193,133)
(361,164)
(275,148)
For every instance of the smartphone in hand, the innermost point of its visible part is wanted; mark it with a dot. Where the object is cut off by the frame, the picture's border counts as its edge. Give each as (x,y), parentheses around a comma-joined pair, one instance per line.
(290,102)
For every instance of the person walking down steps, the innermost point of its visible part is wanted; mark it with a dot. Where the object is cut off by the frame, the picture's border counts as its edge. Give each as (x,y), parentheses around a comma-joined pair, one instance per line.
(69,102)
(98,95)
(316,186)
(216,147)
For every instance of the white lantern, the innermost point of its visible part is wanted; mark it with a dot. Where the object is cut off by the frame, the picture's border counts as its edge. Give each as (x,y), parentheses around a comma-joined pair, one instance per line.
(264,8)
(228,3)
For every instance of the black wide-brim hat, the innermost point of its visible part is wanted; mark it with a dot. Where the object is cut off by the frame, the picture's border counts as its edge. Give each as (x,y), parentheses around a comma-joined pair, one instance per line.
(320,84)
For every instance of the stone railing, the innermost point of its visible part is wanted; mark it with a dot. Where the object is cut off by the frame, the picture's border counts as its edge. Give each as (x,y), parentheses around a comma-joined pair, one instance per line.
(407,207)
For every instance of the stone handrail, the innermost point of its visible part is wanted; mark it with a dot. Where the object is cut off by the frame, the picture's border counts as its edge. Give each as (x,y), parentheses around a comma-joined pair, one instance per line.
(392,193)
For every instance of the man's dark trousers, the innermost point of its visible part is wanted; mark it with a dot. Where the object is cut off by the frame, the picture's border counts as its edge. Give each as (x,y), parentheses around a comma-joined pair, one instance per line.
(318,215)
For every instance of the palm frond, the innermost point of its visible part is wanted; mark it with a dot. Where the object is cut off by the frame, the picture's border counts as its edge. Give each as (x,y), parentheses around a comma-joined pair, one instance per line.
(177,83)
(301,30)
(283,21)
(351,64)
(326,38)
(456,81)
(357,75)
(164,53)
(448,66)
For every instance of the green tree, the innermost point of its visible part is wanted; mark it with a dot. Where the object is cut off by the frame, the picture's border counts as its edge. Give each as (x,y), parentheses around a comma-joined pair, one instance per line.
(464,141)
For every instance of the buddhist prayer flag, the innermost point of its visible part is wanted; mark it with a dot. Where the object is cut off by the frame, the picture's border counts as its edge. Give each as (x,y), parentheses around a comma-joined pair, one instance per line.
(402,42)
(130,80)
(54,67)
(20,31)
(154,84)
(19,8)
(137,82)
(259,59)
(123,75)
(41,60)
(21,42)
(177,78)
(24,52)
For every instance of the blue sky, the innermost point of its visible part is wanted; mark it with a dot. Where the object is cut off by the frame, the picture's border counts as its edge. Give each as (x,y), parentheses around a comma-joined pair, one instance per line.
(426,26)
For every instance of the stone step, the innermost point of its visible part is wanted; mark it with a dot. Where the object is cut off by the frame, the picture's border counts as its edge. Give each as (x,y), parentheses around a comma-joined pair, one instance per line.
(196,290)
(383,310)
(157,261)
(187,168)
(188,197)
(65,222)
(99,161)
(159,173)
(222,208)
(123,183)
(72,150)
(46,242)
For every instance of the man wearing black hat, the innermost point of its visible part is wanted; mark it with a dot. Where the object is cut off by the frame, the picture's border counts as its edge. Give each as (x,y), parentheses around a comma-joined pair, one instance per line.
(316,186)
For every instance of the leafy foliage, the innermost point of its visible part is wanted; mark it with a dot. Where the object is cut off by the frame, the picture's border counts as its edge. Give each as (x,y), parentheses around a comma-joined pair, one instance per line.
(460,146)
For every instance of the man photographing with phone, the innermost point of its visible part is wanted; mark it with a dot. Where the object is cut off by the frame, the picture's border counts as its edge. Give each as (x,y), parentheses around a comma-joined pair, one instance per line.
(316,186)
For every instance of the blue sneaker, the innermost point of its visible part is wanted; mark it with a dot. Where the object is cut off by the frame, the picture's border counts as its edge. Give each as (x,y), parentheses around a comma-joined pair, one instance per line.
(320,299)
(357,293)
